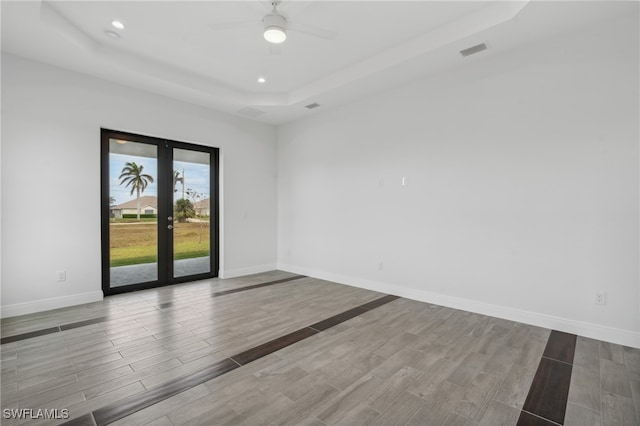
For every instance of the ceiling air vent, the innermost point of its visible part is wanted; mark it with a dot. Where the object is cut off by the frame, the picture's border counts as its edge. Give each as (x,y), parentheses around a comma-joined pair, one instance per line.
(312,106)
(251,112)
(473,49)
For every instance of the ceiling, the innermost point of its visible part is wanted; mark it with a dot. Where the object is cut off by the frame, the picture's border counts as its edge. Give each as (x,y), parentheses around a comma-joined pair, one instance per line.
(186,50)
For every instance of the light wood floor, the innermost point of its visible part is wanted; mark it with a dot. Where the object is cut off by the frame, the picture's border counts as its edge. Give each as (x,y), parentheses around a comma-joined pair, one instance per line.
(404,362)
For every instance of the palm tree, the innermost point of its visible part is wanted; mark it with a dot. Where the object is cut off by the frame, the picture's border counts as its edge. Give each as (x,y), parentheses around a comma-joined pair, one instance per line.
(132,175)
(184,210)
(177,178)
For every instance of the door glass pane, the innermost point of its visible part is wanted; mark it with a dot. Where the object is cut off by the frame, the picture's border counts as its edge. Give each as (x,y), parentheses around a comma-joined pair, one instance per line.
(192,212)
(133,212)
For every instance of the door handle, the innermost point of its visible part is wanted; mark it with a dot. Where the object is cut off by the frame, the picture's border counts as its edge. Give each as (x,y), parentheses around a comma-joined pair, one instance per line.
(169,226)
(170,218)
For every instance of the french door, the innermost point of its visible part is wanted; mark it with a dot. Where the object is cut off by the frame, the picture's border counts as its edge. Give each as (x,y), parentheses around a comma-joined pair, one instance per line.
(159,212)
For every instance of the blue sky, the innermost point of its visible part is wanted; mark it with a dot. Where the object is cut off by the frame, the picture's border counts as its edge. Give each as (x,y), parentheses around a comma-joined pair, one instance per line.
(197,177)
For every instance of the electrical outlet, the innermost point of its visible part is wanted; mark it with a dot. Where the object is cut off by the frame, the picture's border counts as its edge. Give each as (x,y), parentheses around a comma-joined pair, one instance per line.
(61,276)
(600,298)
(380,265)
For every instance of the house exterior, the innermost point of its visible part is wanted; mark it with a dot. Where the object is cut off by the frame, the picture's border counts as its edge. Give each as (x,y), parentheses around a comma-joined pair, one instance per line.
(202,207)
(148,205)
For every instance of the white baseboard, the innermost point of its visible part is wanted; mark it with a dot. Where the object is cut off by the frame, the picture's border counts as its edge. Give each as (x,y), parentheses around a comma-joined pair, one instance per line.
(48,304)
(594,331)
(239,272)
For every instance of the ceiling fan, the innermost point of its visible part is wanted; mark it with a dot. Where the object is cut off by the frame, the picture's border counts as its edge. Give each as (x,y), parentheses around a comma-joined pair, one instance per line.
(276,25)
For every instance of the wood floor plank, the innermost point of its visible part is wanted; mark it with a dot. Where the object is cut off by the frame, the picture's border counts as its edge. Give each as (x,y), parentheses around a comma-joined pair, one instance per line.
(498,414)
(379,302)
(528,419)
(184,408)
(549,390)
(339,407)
(634,381)
(428,383)
(360,415)
(561,346)
(272,346)
(585,388)
(47,386)
(587,353)
(439,405)
(280,375)
(215,416)
(614,378)
(341,374)
(478,396)
(337,319)
(382,398)
(632,359)
(387,360)
(401,411)
(160,377)
(219,391)
(530,354)
(515,387)
(77,324)
(612,352)
(581,416)
(113,412)
(125,376)
(499,362)
(618,410)
(162,421)
(89,406)
(43,399)
(468,369)
(517,337)
(83,323)
(29,335)
(265,411)
(306,405)
(86,420)
(252,287)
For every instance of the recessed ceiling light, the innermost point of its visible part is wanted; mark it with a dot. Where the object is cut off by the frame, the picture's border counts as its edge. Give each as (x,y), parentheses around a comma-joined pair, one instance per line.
(112,34)
(118,24)
(261,80)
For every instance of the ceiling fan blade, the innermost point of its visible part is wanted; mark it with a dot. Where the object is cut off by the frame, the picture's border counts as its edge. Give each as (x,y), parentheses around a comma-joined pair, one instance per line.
(233,25)
(266,5)
(258,6)
(292,7)
(312,31)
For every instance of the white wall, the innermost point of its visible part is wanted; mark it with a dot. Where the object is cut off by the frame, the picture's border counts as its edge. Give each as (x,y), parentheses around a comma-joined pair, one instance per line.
(522,195)
(51,120)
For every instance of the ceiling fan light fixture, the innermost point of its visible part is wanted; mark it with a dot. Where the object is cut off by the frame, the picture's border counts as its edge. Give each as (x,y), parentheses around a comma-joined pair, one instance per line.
(118,24)
(275,35)
(275,28)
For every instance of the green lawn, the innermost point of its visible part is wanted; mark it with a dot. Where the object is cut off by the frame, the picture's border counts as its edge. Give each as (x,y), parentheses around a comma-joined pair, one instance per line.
(132,220)
(135,243)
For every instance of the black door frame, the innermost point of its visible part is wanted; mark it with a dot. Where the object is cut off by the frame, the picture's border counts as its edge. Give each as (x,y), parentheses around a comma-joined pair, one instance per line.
(165,209)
